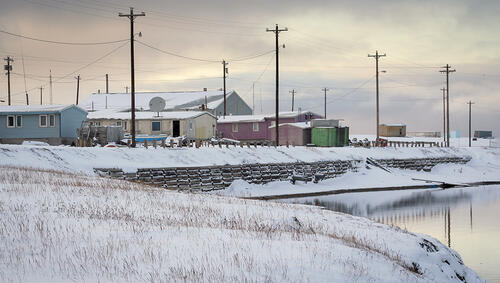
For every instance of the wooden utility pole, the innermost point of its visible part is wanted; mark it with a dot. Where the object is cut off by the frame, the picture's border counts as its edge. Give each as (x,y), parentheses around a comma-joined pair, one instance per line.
(107,83)
(447,70)
(444,114)
(276,32)
(253,98)
(77,88)
(470,120)
(8,68)
(224,72)
(131,17)
(325,90)
(377,56)
(27,99)
(41,94)
(293,97)
(50,83)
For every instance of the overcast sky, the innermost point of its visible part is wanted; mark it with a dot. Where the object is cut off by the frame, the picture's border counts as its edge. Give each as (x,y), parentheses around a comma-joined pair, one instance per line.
(326,46)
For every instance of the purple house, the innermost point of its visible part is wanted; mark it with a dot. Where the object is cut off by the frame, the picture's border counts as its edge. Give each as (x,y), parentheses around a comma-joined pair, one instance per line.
(293,133)
(258,127)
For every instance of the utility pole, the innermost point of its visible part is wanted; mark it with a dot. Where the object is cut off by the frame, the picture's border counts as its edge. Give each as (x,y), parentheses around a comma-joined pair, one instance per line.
(77,88)
(27,99)
(253,98)
(444,114)
(377,56)
(131,17)
(325,90)
(8,68)
(224,72)
(107,84)
(470,116)
(447,70)
(276,32)
(50,83)
(293,97)
(41,94)
(126,89)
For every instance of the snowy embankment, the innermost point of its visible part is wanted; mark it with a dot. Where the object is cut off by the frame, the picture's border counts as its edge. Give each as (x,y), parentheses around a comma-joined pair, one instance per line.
(66,227)
(71,159)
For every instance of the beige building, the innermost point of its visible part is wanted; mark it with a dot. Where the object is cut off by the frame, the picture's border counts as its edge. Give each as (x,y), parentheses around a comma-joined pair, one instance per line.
(392,130)
(192,124)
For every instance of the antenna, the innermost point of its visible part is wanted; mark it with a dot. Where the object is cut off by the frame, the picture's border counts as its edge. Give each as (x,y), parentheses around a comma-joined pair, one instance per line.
(157,104)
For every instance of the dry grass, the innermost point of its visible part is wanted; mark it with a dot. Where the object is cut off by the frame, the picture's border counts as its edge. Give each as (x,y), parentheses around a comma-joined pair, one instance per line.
(64,227)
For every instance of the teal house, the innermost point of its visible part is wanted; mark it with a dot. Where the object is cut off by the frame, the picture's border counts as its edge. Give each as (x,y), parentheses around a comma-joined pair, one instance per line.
(53,124)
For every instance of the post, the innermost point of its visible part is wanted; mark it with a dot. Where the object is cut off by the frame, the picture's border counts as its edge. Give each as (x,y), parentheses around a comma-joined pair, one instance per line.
(276,32)
(470,120)
(293,97)
(325,90)
(377,56)
(41,92)
(447,71)
(253,98)
(77,88)
(107,83)
(131,17)
(224,71)
(50,83)
(444,114)
(27,99)
(8,68)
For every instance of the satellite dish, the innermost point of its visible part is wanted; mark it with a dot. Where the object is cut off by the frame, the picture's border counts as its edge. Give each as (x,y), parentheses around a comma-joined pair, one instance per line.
(157,104)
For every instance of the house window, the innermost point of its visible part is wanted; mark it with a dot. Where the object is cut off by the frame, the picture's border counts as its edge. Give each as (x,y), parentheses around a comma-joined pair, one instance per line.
(91,123)
(42,121)
(19,121)
(119,123)
(235,128)
(155,126)
(52,120)
(98,124)
(255,127)
(10,122)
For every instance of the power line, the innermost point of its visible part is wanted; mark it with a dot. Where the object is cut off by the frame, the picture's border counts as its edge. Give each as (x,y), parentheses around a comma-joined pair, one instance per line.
(61,42)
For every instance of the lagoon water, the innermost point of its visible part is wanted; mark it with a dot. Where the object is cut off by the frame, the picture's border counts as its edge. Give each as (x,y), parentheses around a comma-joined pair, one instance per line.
(465,219)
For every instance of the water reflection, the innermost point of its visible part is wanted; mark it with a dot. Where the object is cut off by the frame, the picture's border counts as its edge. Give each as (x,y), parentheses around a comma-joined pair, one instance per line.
(464,219)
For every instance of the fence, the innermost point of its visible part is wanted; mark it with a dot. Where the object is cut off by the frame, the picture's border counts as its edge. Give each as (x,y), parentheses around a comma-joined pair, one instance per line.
(219,177)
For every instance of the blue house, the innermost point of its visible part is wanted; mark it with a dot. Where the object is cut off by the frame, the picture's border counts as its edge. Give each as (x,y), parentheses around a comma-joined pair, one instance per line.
(53,124)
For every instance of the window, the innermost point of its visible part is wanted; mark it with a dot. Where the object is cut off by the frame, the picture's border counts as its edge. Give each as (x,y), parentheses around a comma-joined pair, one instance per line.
(10,122)
(255,127)
(155,126)
(98,124)
(52,120)
(43,121)
(235,128)
(119,123)
(91,123)
(19,121)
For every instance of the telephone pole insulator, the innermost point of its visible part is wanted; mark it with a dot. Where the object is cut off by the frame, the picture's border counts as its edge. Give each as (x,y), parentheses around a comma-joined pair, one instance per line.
(276,32)
(132,17)
(377,56)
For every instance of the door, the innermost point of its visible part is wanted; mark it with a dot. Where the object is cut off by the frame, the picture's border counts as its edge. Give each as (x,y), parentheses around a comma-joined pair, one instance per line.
(176,128)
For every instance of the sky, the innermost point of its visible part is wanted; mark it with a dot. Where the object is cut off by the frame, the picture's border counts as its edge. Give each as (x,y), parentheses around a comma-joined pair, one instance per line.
(326,46)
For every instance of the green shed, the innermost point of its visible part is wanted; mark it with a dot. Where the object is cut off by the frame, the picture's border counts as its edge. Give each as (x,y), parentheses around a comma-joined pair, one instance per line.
(330,136)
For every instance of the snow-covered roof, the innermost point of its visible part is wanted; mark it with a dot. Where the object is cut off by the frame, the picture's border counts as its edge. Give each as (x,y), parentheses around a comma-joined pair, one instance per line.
(302,125)
(260,117)
(174,100)
(146,115)
(35,108)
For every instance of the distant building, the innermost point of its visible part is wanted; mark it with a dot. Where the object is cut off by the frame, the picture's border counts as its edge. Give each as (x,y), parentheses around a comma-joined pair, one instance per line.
(257,127)
(211,101)
(298,133)
(192,124)
(483,134)
(392,130)
(424,134)
(53,124)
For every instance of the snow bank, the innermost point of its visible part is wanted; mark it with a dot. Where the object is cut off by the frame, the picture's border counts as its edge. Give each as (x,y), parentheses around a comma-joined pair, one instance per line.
(129,159)
(60,227)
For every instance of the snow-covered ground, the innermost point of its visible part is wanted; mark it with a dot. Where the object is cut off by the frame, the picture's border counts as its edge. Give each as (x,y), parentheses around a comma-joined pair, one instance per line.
(85,159)
(454,142)
(61,227)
